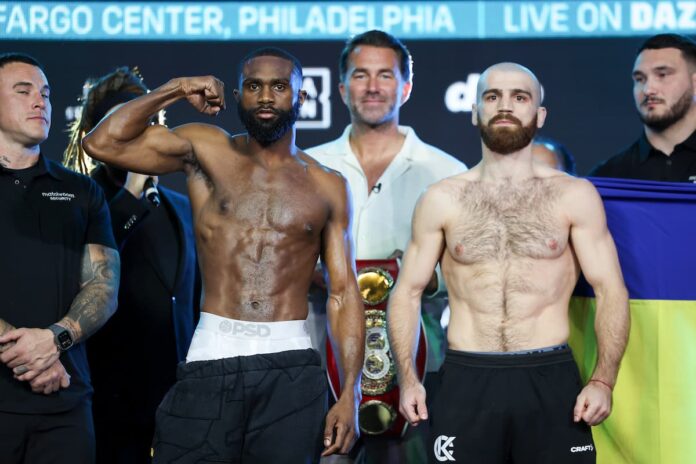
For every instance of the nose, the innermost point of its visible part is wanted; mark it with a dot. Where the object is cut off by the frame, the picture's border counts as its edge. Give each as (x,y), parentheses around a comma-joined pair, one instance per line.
(648,87)
(266,95)
(504,105)
(372,84)
(39,101)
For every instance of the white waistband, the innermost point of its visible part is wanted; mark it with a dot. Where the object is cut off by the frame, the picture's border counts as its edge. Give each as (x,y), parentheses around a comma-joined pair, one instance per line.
(218,337)
(252,330)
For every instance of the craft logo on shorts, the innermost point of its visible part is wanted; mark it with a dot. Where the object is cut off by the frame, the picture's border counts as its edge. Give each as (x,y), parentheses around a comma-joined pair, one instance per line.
(581,449)
(58,196)
(444,448)
(315,113)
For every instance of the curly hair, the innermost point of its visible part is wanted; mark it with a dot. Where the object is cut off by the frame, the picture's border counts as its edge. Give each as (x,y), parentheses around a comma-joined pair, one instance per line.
(99,96)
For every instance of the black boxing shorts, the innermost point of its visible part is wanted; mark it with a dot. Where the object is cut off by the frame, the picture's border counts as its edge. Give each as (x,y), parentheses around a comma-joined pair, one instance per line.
(497,408)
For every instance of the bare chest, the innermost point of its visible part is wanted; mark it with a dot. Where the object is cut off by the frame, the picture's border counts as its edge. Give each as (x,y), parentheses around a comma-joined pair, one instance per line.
(506,222)
(285,202)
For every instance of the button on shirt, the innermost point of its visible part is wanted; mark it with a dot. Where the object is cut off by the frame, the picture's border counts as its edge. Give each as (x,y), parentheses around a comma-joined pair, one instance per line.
(643,161)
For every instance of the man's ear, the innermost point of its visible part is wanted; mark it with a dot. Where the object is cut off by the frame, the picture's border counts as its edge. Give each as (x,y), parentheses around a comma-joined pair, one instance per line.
(541,117)
(236,95)
(406,91)
(344,93)
(302,96)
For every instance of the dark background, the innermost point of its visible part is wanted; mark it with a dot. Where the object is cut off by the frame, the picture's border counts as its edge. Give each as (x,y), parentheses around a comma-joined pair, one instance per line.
(587,84)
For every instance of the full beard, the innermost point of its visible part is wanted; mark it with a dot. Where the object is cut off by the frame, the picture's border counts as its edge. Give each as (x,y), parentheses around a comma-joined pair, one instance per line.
(266,132)
(506,140)
(659,123)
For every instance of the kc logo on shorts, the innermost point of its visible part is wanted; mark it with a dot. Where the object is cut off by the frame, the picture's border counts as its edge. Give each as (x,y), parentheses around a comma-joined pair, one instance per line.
(444,448)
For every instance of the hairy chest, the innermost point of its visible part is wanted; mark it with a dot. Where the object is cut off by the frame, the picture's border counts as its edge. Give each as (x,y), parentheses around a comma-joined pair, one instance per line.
(503,222)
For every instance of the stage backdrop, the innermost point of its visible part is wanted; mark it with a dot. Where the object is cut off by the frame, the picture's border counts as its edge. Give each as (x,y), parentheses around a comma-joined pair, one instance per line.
(581,51)
(654,417)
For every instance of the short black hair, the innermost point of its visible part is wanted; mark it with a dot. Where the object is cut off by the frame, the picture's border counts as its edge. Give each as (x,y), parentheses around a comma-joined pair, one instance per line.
(377,38)
(17,57)
(270,51)
(560,151)
(683,43)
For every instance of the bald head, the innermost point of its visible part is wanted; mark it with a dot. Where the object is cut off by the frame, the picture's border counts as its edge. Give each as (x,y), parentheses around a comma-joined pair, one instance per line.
(510,75)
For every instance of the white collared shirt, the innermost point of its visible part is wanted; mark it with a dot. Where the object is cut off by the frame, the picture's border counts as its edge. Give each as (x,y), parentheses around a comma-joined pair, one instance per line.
(382,218)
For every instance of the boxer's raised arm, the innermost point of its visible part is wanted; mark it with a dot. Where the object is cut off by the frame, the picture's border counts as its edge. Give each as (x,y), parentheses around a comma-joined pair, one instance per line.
(126,139)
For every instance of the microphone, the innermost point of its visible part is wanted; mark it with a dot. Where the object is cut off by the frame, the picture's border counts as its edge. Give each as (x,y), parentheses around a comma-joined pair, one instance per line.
(377,188)
(151,192)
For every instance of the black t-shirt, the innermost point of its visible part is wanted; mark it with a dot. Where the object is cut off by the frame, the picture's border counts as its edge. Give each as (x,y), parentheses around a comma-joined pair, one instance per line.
(642,161)
(47,216)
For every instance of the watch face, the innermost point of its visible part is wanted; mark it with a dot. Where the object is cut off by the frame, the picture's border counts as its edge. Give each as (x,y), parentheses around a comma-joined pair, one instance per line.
(64,340)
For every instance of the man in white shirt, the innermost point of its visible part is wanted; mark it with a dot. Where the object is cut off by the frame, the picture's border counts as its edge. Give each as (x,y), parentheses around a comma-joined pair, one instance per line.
(387,167)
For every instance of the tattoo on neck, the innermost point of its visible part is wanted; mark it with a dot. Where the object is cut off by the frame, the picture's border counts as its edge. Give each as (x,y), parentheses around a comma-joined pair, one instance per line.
(5,161)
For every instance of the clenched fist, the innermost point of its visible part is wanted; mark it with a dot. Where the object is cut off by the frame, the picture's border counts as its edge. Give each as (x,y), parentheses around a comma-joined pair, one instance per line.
(205,93)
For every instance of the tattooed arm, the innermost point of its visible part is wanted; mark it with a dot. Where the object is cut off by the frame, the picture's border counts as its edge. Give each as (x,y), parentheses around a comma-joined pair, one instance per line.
(4,328)
(34,350)
(96,301)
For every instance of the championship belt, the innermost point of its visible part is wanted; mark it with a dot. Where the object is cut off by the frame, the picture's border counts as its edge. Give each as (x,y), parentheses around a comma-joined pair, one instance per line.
(379,409)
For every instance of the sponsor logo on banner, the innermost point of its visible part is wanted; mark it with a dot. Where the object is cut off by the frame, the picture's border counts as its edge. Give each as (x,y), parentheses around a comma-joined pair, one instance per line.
(444,448)
(315,113)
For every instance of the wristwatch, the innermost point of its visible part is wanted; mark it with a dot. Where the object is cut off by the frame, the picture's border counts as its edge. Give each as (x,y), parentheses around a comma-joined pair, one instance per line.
(61,336)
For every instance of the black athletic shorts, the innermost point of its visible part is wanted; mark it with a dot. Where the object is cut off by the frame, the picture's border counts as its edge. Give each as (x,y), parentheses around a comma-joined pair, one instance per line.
(266,408)
(509,408)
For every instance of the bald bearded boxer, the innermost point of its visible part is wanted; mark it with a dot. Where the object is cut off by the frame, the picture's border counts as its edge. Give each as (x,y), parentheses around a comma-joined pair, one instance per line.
(252,389)
(512,237)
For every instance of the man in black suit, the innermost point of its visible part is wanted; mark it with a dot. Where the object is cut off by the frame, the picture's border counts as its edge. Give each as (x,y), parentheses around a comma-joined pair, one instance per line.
(133,358)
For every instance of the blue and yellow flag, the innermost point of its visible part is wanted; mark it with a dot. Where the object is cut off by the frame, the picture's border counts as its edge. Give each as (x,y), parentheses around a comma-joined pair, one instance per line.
(654,415)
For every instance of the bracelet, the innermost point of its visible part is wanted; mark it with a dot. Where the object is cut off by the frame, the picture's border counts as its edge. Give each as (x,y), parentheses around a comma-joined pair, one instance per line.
(603,383)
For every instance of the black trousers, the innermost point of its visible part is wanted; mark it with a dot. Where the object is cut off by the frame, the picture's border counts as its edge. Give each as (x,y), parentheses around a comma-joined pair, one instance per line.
(257,409)
(61,438)
(518,408)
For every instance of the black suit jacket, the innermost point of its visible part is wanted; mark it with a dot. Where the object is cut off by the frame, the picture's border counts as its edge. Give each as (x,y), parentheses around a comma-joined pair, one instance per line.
(133,357)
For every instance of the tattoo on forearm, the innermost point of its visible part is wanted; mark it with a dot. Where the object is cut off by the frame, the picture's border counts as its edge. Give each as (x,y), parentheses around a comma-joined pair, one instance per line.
(4,328)
(96,301)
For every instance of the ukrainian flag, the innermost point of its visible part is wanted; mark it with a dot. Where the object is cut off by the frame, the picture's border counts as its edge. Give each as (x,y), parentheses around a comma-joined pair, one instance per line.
(654,415)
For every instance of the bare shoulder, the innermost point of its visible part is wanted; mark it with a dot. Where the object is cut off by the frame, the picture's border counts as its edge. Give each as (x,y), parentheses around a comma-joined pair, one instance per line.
(323,174)
(576,188)
(581,200)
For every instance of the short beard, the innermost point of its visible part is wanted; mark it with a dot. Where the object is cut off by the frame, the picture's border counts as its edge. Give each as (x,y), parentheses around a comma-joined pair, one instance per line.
(266,132)
(506,140)
(676,112)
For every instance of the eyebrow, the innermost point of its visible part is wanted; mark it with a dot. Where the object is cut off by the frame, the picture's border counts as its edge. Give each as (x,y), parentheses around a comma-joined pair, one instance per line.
(662,68)
(365,70)
(29,84)
(513,91)
(274,80)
